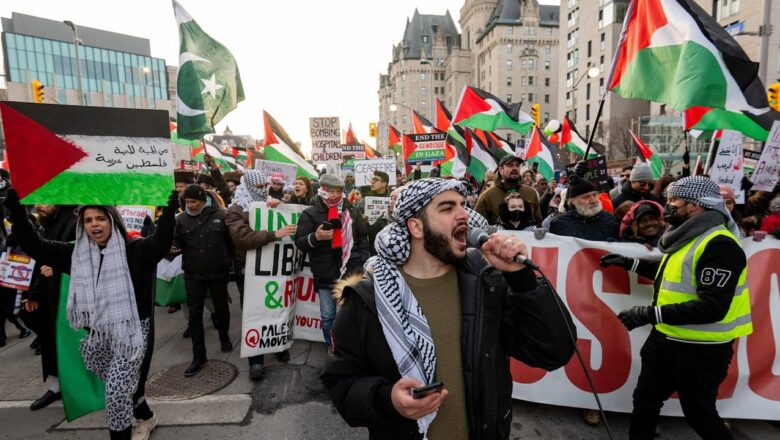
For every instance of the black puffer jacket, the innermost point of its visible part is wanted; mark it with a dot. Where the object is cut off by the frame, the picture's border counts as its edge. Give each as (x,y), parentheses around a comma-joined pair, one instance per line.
(324,260)
(204,240)
(601,227)
(628,194)
(504,314)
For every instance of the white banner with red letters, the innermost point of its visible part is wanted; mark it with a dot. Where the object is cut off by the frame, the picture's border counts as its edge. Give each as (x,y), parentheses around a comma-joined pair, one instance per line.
(595,295)
(280,302)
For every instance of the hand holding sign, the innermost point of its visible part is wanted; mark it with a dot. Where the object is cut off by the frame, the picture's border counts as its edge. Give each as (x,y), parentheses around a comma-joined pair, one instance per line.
(285,231)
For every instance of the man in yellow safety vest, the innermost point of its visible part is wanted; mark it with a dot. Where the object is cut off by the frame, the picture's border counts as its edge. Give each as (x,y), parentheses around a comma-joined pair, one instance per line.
(700,305)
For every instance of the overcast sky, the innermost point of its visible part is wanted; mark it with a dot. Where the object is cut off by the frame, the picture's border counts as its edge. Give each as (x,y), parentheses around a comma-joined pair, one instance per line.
(297,58)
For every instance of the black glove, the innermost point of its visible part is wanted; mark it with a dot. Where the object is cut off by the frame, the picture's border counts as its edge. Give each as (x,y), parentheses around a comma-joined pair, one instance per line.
(173,200)
(12,203)
(637,316)
(581,168)
(616,260)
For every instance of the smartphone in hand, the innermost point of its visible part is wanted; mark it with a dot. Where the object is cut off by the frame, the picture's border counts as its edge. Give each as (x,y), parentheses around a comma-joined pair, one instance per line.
(419,393)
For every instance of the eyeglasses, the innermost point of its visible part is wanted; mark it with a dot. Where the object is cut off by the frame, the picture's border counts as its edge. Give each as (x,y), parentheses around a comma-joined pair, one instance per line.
(376,179)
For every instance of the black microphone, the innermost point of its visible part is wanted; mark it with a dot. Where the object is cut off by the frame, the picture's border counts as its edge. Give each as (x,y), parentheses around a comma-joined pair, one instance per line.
(477,237)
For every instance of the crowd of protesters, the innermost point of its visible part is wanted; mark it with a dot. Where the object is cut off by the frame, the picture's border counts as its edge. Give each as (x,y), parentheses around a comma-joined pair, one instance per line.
(207,222)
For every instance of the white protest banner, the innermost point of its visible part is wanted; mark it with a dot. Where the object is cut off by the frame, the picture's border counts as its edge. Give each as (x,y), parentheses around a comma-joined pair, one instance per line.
(350,153)
(267,167)
(134,216)
(280,302)
(325,140)
(595,295)
(16,270)
(727,167)
(364,170)
(768,167)
(375,207)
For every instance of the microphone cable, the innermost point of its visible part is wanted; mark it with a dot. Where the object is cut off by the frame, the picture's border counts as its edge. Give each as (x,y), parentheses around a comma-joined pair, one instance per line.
(573,340)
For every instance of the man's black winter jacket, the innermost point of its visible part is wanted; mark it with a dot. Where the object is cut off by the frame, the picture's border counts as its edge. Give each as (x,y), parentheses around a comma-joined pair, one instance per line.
(206,247)
(503,314)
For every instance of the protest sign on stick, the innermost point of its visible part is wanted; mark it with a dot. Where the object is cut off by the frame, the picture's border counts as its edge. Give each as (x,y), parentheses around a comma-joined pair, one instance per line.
(364,170)
(268,167)
(134,216)
(596,174)
(727,167)
(425,147)
(375,208)
(325,140)
(768,166)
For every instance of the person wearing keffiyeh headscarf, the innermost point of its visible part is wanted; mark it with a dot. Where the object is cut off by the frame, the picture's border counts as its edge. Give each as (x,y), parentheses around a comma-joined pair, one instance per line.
(335,236)
(111,295)
(701,304)
(430,310)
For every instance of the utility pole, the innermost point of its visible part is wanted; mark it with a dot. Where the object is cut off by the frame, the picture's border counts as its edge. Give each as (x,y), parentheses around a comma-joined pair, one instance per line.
(764,31)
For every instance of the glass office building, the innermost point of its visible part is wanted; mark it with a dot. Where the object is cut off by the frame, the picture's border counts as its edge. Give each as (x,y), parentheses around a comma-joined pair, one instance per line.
(114,67)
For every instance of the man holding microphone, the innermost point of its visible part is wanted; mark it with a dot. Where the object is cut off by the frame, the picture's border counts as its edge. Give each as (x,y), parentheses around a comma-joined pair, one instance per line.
(422,340)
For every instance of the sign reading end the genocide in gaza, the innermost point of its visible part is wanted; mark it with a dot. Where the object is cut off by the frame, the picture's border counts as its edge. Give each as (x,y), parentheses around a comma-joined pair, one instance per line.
(78,155)
(325,140)
(424,147)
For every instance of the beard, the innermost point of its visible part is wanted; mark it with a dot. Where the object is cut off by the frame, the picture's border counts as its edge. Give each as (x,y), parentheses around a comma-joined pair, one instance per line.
(439,246)
(588,211)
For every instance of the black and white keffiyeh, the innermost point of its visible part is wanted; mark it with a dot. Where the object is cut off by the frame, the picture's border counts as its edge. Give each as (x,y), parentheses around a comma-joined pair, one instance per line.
(248,192)
(405,327)
(102,297)
(702,191)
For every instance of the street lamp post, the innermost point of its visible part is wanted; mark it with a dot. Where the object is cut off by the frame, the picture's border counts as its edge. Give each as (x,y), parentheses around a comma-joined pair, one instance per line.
(592,72)
(77,43)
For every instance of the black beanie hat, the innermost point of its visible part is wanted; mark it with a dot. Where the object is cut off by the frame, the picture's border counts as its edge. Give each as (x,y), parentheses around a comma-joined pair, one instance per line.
(578,186)
(205,178)
(195,192)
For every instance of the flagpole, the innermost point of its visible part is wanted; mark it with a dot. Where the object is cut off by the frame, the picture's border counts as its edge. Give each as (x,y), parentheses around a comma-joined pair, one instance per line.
(595,124)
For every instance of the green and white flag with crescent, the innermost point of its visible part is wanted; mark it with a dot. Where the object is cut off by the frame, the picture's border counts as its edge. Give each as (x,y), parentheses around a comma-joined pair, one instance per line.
(208,85)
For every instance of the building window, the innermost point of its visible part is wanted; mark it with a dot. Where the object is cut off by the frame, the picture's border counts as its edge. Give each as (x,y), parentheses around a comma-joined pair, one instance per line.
(422,104)
(547,48)
(422,76)
(587,112)
(403,91)
(547,82)
(403,77)
(508,47)
(424,38)
(531,64)
(602,43)
(508,64)
(509,80)
(510,30)
(547,65)
(508,97)
(546,98)
(530,97)
(523,81)
(590,44)
(546,116)
(530,80)
(509,137)
(422,89)
(587,91)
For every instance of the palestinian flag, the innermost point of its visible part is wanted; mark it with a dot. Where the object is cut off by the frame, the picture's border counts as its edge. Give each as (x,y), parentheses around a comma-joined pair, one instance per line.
(570,139)
(170,283)
(648,156)
(349,137)
(456,156)
(499,146)
(394,139)
(225,162)
(539,151)
(442,117)
(74,155)
(672,51)
(370,152)
(710,119)
(279,147)
(481,158)
(421,125)
(479,109)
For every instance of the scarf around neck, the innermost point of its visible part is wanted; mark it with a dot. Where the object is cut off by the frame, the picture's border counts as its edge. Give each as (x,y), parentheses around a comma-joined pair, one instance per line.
(675,238)
(248,192)
(102,297)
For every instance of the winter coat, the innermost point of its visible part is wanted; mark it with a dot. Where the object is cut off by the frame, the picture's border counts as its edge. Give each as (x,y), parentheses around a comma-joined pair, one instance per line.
(325,261)
(143,254)
(243,236)
(628,194)
(488,201)
(503,315)
(206,248)
(600,227)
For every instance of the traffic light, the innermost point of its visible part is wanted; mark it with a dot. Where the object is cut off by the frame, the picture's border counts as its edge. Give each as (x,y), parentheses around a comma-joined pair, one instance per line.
(535,114)
(37,89)
(372,129)
(773,95)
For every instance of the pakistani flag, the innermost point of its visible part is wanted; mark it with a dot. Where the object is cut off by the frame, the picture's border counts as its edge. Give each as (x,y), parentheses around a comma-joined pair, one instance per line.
(673,52)
(208,85)
(279,147)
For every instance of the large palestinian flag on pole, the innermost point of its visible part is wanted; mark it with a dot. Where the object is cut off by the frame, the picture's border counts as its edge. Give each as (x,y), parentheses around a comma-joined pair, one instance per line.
(673,52)
(421,124)
(79,155)
(279,147)
(479,109)
(570,139)
(394,139)
(481,158)
(456,155)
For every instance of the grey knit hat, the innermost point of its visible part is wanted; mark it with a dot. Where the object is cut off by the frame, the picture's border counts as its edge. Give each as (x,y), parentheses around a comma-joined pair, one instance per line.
(641,173)
(331,181)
